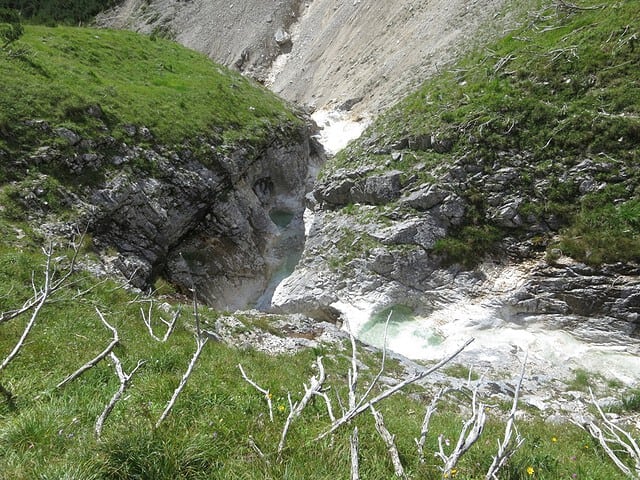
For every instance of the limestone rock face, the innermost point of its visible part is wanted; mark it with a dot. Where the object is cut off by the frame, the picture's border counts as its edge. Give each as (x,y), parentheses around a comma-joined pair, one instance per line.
(222,227)
(373,241)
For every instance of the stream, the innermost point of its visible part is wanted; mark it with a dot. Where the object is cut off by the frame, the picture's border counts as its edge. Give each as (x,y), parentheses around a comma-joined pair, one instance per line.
(501,338)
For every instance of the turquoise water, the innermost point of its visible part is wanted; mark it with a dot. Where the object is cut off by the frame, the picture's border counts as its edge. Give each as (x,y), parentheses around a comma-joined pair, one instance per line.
(402,325)
(281,218)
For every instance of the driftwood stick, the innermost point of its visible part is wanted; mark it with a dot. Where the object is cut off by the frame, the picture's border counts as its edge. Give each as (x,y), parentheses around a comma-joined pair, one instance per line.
(125,381)
(327,401)
(612,434)
(382,363)
(266,393)
(40,296)
(507,447)
(352,413)
(171,325)
(389,441)
(315,385)
(93,362)
(354,447)
(352,375)
(147,319)
(465,440)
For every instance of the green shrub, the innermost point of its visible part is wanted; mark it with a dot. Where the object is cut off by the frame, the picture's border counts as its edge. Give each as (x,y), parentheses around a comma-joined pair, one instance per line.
(10,26)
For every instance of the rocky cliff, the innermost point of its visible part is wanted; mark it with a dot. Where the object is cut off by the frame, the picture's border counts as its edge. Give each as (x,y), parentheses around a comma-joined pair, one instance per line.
(222,224)
(224,229)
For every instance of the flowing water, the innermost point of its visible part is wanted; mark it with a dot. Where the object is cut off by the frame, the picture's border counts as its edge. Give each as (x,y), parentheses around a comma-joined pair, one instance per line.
(500,340)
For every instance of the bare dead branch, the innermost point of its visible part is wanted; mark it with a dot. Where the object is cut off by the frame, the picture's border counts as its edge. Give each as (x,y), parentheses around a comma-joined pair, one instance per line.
(611,435)
(43,296)
(390,442)
(474,426)
(266,393)
(507,447)
(352,413)
(200,343)
(424,430)
(327,401)
(125,381)
(93,362)
(352,375)
(315,385)
(354,447)
(382,363)
(50,283)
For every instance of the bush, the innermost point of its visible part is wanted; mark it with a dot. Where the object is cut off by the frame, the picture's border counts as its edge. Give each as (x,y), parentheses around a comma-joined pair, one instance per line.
(10,26)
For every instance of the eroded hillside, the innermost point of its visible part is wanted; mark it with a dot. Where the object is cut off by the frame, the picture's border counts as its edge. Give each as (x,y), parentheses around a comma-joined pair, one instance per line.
(356,54)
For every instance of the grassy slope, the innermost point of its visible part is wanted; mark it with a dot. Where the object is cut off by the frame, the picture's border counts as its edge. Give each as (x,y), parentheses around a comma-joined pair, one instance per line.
(560,89)
(48,433)
(177,93)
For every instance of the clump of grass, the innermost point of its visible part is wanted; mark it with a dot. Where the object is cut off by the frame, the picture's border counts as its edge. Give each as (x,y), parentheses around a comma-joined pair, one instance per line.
(219,426)
(581,381)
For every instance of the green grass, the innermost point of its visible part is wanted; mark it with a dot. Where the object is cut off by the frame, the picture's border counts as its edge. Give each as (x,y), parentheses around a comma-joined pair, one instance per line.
(59,73)
(561,88)
(219,418)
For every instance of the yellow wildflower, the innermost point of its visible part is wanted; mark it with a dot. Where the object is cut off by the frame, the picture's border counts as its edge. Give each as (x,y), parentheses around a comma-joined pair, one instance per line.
(554,439)
(281,408)
(530,470)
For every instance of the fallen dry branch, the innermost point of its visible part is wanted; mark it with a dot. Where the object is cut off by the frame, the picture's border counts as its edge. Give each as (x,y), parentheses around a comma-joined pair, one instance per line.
(327,401)
(352,413)
(382,363)
(266,393)
(424,430)
(201,341)
(470,433)
(315,385)
(93,362)
(354,447)
(40,296)
(613,439)
(43,295)
(390,442)
(125,381)
(147,319)
(508,445)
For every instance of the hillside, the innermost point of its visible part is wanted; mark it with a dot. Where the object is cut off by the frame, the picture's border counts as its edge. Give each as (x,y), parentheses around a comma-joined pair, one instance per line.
(357,56)
(499,201)
(150,198)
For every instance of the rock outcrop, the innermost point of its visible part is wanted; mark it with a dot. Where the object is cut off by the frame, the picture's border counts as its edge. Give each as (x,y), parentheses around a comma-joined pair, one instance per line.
(223,221)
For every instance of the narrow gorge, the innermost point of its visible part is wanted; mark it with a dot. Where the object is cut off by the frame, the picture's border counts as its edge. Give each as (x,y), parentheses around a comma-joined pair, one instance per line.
(371,230)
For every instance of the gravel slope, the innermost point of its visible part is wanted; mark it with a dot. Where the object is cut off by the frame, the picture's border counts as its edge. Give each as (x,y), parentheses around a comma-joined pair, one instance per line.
(340,51)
